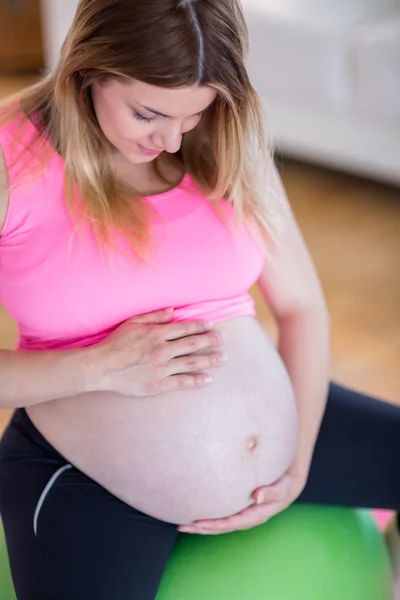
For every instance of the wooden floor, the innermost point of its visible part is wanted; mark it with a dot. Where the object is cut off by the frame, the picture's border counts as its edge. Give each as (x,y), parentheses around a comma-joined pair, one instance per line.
(352,227)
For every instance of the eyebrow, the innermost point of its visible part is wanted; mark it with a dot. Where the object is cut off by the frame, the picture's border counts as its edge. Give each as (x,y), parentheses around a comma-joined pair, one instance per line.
(160,114)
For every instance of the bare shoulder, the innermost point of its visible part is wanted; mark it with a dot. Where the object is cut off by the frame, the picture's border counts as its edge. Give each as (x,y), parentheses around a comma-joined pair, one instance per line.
(4,190)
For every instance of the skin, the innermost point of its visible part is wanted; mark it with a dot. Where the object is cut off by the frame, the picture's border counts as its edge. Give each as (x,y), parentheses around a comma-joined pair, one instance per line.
(128,125)
(289,282)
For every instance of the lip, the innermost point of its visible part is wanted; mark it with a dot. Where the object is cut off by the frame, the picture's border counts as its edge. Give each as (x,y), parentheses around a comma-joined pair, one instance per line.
(148,152)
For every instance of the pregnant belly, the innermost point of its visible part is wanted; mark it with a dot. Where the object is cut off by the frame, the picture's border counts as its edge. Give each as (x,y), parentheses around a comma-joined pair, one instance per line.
(186,455)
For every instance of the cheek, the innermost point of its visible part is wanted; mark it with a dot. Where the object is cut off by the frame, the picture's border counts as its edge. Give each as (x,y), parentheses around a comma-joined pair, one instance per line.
(127,127)
(120,126)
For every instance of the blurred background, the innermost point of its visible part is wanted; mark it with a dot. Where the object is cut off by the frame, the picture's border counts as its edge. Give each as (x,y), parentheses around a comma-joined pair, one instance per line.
(329,74)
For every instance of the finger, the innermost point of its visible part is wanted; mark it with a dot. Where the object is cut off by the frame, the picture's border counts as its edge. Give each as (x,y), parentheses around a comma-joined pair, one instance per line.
(192,344)
(225,522)
(272,493)
(176,331)
(188,364)
(250,517)
(154,318)
(229,524)
(186,382)
(195,530)
(192,528)
(198,531)
(204,532)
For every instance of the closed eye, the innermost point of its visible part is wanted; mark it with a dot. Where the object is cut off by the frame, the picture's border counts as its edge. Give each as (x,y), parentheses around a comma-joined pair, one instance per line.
(141,117)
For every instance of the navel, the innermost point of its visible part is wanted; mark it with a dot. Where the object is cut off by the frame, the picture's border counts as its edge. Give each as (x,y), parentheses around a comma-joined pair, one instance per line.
(252,443)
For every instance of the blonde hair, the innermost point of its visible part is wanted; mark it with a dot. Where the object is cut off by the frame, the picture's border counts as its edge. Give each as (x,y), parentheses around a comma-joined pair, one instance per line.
(198,43)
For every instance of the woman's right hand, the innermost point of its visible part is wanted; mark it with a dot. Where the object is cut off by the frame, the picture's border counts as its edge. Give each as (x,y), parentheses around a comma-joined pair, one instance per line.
(149,354)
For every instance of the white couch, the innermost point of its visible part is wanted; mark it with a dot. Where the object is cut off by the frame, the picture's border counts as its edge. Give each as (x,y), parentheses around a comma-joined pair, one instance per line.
(328,71)
(57,17)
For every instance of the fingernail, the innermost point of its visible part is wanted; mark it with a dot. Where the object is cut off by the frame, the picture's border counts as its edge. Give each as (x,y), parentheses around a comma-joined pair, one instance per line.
(260,498)
(222,357)
(208,325)
(207,379)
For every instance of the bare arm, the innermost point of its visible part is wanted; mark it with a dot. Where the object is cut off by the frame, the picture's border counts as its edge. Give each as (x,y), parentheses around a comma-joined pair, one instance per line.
(30,378)
(292,289)
(147,355)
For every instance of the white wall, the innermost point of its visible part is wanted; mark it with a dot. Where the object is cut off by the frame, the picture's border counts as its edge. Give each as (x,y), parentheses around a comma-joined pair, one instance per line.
(57,16)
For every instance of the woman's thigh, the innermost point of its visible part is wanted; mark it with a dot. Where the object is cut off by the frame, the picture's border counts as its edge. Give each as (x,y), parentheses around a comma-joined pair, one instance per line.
(357,455)
(67,537)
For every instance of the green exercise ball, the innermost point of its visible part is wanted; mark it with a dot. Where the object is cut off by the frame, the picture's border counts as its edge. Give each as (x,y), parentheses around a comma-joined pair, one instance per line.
(6,586)
(305,553)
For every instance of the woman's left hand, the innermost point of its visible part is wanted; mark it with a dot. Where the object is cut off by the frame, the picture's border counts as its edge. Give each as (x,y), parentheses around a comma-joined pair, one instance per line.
(269,501)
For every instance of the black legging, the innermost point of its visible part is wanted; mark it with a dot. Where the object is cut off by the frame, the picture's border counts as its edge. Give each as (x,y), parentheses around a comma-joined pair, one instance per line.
(84,544)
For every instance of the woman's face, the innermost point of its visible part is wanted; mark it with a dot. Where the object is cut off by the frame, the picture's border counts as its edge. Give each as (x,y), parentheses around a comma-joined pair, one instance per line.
(142,120)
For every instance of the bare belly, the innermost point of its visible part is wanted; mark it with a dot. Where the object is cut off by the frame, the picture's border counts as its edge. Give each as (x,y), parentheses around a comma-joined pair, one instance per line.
(186,455)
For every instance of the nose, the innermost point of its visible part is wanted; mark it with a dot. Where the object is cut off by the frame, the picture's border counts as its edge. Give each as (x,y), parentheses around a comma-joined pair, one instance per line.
(170,139)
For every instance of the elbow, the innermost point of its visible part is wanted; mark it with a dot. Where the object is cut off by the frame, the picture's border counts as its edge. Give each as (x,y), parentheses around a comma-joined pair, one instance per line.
(306,310)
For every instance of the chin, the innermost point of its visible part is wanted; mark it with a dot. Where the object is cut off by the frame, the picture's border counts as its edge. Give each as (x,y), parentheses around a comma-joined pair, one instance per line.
(138,159)
(143,159)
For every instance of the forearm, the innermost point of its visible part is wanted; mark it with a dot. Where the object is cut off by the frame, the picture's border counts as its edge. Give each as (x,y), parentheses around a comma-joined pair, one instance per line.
(304,347)
(28,378)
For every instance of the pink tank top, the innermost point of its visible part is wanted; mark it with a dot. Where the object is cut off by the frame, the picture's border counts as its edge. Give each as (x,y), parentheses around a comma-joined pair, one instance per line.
(63,292)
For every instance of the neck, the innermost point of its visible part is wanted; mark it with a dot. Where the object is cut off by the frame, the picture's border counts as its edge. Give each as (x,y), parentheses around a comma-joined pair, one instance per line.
(146,178)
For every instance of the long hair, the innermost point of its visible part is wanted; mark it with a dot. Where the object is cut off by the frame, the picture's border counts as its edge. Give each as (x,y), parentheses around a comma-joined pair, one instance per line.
(166,43)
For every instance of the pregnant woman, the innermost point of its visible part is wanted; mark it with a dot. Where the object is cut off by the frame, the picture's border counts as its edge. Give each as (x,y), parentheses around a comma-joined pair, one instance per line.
(138,206)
